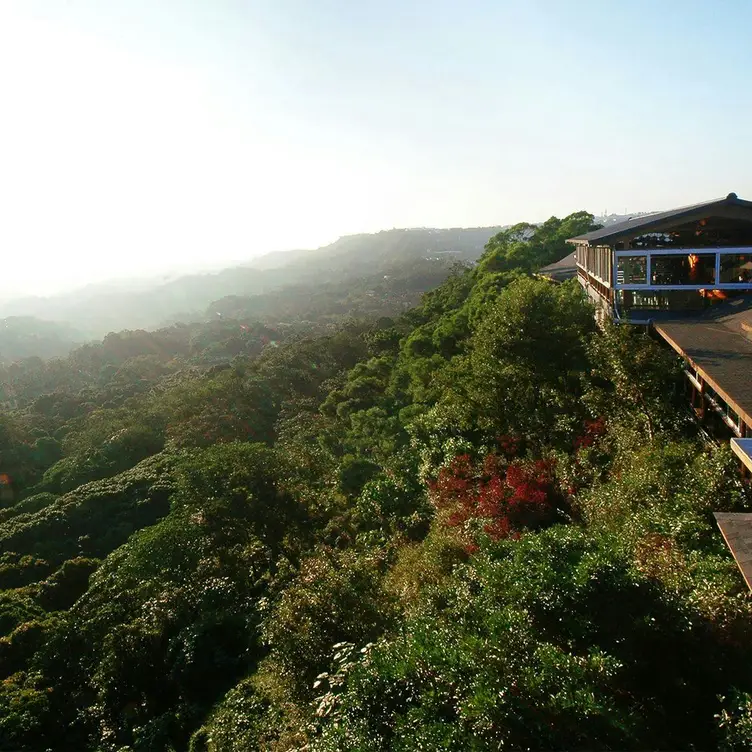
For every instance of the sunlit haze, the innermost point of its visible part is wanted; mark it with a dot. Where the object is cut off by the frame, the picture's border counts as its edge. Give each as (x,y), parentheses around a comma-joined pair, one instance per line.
(139,136)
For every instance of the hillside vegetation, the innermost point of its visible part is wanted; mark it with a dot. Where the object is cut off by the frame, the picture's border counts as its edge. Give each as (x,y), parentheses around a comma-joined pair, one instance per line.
(24,337)
(477,524)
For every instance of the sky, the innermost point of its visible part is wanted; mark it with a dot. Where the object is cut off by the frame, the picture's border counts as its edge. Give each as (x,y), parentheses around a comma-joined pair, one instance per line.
(138,136)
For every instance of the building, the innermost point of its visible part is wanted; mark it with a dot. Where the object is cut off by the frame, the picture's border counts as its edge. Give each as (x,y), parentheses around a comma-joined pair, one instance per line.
(687,274)
(673,263)
(716,347)
(561,270)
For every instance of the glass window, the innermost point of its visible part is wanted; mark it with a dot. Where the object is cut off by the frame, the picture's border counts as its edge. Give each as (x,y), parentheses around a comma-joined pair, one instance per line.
(632,270)
(603,263)
(692,269)
(736,267)
(662,300)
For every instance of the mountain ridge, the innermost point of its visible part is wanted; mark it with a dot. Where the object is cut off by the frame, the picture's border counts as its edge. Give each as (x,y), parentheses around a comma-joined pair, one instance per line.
(98,308)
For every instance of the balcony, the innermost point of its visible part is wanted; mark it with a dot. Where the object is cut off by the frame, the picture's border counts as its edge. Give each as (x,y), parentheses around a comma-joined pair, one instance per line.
(684,269)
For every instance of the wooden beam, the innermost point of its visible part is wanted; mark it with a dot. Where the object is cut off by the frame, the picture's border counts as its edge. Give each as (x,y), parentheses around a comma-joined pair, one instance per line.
(736,529)
(742,448)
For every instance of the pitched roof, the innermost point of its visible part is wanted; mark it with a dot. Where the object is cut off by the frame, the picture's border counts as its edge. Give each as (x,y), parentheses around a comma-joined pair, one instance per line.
(560,270)
(719,343)
(648,222)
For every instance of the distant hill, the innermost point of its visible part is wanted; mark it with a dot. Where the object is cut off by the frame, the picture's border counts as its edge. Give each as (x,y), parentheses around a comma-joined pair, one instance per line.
(372,295)
(98,309)
(370,251)
(26,336)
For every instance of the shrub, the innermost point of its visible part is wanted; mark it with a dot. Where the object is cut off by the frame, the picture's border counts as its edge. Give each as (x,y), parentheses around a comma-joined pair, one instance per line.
(335,597)
(498,497)
(551,642)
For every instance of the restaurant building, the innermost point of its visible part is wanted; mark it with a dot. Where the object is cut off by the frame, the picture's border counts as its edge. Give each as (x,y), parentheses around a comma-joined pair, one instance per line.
(687,274)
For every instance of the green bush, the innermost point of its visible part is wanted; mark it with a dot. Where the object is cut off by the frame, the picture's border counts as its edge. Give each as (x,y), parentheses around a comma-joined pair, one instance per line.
(29,505)
(65,586)
(354,473)
(551,642)
(16,608)
(335,597)
(95,518)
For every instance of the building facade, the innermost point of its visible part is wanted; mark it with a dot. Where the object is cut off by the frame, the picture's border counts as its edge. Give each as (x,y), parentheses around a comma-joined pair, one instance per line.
(686,274)
(665,265)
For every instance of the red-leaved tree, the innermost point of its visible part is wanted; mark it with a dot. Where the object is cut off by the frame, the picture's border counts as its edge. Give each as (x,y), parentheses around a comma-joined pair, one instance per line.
(505,496)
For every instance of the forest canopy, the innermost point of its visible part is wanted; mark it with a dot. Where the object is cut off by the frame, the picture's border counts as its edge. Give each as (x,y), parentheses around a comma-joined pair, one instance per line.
(478,522)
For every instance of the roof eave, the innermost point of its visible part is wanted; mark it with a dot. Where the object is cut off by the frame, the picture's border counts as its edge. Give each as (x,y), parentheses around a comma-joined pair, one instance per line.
(622,230)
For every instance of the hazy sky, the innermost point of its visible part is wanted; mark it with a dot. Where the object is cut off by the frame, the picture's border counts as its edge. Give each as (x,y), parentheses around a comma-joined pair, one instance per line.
(138,135)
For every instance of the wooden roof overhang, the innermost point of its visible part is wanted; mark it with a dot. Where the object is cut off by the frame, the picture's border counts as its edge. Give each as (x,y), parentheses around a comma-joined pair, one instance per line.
(736,528)
(723,359)
(742,448)
(730,207)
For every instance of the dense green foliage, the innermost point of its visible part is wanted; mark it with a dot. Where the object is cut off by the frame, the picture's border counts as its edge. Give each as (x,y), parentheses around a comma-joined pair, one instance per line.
(480,524)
